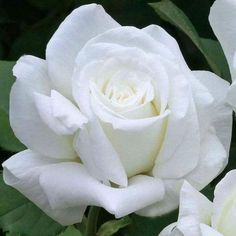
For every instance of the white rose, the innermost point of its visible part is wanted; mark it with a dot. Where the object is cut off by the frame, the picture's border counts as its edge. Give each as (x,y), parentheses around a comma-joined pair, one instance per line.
(114,118)
(200,217)
(223,22)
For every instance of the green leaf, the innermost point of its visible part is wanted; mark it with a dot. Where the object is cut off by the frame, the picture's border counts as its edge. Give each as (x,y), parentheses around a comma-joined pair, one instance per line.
(6,81)
(214,50)
(18,214)
(8,141)
(111,227)
(208,191)
(149,226)
(12,234)
(71,231)
(169,12)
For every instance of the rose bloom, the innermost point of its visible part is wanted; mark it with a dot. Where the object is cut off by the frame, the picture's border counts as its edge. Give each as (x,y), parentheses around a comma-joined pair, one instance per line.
(200,217)
(113,117)
(223,22)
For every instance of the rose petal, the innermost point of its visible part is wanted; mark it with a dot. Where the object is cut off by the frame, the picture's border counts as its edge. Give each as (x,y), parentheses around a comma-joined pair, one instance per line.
(118,38)
(99,60)
(205,230)
(208,231)
(86,190)
(222,20)
(98,155)
(204,102)
(213,159)
(168,230)
(187,225)
(181,142)
(231,96)
(31,73)
(138,147)
(169,203)
(60,114)
(221,113)
(194,204)
(79,27)
(161,36)
(23,170)
(223,218)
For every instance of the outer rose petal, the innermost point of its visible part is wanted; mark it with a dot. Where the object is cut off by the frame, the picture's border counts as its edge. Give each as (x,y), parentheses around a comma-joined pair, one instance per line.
(194,204)
(208,231)
(31,73)
(83,189)
(168,230)
(187,225)
(60,114)
(205,230)
(231,96)
(180,141)
(160,35)
(73,188)
(23,170)
(212,162)
(221,113)
(98,155)
(224,205)
(79,27)
(222,20)
(169,203)
(194,209)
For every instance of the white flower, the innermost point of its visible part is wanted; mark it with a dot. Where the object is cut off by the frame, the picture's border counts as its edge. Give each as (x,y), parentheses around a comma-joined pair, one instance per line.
(114,117)
(223,22)
(200,217)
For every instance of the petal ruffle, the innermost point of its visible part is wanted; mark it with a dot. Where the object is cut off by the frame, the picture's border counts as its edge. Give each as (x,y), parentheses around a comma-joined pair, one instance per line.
(169,203)
(23,170)
(60,114)
(79,27)
(31,73)
(86,190)
(221,113)
(213,160)
(64,189)
(181,141)
(161,36)
(194,204)
(98,155)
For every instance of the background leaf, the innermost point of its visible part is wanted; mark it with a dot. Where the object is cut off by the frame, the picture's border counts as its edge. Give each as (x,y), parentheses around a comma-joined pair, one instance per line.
(71,231)
(19,215)
(149,226)
(214,50)
(12,234)
(111,227)
(168,11)
(6,81)
(8,141)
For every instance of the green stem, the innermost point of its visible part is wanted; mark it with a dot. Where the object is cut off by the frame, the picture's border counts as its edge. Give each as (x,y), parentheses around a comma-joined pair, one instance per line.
(91,227)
